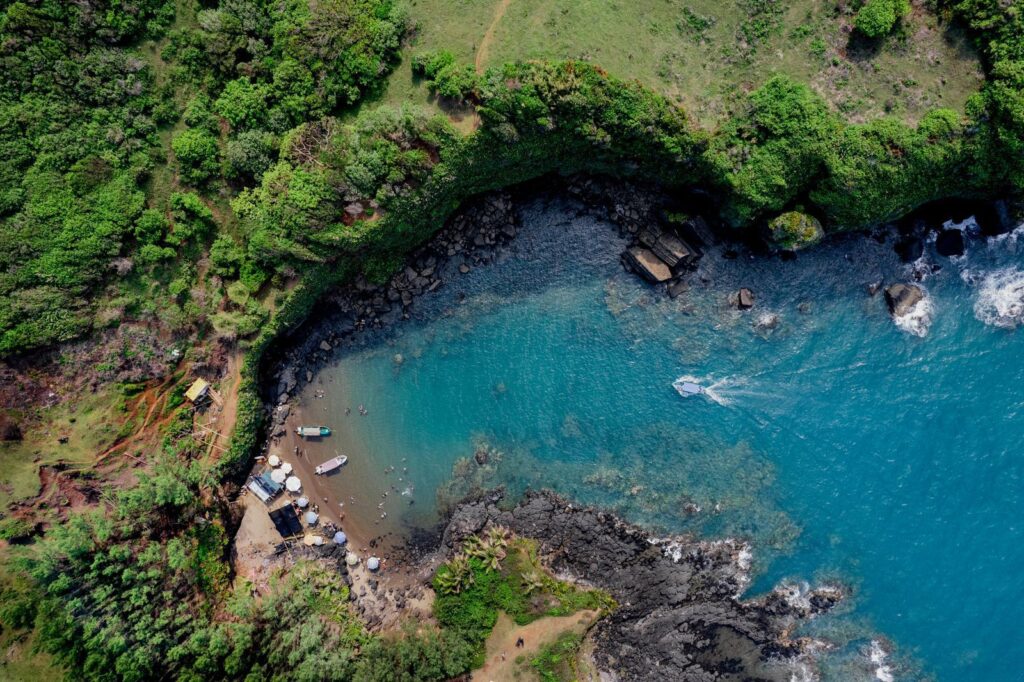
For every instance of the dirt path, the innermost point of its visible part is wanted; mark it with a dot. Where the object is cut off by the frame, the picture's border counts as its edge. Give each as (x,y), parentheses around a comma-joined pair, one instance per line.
(223,422)
(516,666)
(485,44)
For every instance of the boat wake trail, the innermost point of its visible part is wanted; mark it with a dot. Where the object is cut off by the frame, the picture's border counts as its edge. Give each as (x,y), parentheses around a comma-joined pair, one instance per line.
(721,391)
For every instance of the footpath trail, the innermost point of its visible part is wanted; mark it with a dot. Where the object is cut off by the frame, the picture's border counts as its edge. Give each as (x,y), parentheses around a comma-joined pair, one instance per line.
(535,636)
(485,44)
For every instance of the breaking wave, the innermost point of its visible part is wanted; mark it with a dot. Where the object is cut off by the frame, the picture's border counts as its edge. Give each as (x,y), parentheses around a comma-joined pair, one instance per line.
(1000,301)
(878,655)
(918,320)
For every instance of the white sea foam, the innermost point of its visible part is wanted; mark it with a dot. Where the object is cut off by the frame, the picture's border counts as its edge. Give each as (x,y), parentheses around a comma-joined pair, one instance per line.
(802,671)
(918,320)
(1000,301)
(878,656)
(1008,239)
(968,225)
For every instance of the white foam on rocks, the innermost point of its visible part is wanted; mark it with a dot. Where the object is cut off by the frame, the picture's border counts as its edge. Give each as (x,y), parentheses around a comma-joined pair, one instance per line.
(1000,300)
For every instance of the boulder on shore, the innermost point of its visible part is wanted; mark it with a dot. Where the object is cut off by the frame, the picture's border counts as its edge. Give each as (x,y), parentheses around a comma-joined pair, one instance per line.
(901,298)
(745,299)
(648,264)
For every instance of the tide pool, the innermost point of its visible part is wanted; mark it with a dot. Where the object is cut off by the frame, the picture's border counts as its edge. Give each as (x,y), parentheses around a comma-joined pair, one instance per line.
(844,447)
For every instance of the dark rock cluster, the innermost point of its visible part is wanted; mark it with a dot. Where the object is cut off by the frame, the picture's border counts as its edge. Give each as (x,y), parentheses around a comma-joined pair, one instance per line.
(679,615)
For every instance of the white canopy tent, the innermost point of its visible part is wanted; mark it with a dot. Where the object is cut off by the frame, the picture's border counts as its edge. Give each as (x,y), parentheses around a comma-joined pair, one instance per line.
(293,484)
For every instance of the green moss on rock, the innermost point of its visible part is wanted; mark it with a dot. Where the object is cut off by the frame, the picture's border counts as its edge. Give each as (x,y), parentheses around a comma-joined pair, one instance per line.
(794,230)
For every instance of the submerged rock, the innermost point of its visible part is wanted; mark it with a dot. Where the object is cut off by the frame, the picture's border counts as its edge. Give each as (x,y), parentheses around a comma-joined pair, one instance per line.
(766,322)
(901,298)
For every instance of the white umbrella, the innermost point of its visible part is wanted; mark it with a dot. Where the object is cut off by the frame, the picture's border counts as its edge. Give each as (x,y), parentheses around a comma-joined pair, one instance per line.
(311,517)
(340,538)
(302,502)
(278,476)
(274,460)
(351,559)
(286,467)
(373,563)
(293,484)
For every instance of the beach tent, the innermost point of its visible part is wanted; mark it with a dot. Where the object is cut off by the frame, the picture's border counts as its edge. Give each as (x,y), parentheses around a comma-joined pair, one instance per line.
(286,467)
(274,460)
(269,484)
(373,563)
(351,559)
(278,476)
(340,538)
(313,540)
(293,484)
(302,502)
(311,517)
(259,491)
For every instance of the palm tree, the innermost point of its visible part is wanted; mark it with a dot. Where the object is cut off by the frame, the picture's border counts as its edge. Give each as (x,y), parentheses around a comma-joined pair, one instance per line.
(474,547)
(533,581)
(492,556)
(457,576)
(497,536)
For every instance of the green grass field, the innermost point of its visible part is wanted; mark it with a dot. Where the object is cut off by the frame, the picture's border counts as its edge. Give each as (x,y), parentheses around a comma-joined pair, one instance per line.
(706,55)
(90,423)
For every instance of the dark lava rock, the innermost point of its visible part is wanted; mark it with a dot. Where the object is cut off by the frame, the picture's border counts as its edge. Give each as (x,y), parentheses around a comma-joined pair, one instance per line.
(910,248)
(874,287)
(678,616)
(902,297)
(745,299)
(678,288)
(950,243)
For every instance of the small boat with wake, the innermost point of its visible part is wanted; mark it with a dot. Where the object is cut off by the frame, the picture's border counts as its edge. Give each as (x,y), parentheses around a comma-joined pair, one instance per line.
(687,388)
(330,465)
(312,431)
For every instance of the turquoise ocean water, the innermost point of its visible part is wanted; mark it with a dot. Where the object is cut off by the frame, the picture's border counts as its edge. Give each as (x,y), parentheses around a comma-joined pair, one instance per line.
(842,445)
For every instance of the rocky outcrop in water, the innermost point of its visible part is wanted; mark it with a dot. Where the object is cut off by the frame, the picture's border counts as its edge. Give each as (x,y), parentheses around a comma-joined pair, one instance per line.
(679,616)
(901,298)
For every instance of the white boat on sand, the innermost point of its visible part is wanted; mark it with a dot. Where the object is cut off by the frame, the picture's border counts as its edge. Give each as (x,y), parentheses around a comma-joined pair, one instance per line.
(330,465)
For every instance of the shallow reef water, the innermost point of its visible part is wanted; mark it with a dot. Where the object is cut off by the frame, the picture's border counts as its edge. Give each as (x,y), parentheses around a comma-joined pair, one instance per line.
(843,445)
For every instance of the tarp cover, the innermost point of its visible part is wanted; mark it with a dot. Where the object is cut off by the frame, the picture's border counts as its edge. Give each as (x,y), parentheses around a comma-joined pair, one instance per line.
(286,522)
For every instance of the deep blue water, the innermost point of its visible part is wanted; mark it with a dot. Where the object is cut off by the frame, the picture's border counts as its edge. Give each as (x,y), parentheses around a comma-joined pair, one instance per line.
(844,447)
